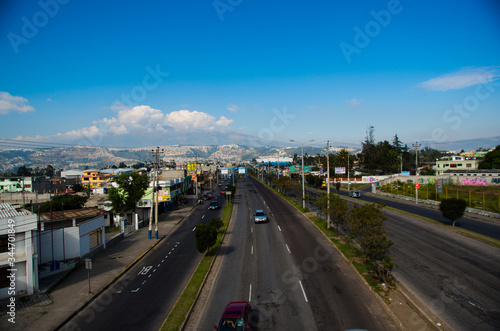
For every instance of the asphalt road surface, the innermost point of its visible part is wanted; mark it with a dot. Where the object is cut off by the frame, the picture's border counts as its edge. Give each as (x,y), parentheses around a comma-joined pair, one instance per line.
(291,276)
(143,297)
(458,278)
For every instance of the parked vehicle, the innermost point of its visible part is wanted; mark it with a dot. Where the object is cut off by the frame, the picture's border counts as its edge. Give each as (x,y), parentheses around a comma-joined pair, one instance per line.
(260,216)
(236,316)
(354,194)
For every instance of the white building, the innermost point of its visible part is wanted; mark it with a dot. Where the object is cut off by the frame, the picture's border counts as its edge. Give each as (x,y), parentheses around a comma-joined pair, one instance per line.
(18,254)
(455,163)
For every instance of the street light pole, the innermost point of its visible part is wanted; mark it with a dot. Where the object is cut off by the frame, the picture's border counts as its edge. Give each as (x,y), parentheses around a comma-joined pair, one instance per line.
(328,181)
(303,178)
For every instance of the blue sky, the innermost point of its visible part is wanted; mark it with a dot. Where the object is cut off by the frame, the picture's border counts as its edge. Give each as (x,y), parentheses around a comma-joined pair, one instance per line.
(129,73)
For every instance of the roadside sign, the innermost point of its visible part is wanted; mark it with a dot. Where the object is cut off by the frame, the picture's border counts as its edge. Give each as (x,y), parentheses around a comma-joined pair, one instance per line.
(417,185)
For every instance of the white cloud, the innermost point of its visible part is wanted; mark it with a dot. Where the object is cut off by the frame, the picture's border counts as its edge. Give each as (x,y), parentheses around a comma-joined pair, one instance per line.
(462,78)
(354,102)
(144,119)
(233,108)
(10,103)
(89,132)
(224,121)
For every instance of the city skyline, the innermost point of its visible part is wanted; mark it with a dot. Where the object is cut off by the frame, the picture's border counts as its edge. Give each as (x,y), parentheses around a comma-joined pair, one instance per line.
(220,72)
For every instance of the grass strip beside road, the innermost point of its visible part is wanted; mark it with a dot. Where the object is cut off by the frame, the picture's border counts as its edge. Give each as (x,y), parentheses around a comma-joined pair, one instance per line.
(186,300)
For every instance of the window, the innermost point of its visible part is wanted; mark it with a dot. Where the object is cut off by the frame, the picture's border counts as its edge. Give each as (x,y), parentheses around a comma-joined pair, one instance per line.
(4,281)
(4,243)
(468,165)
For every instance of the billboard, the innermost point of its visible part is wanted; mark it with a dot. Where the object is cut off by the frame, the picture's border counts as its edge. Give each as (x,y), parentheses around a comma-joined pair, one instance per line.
(242,170)
(340,170)
(192,166)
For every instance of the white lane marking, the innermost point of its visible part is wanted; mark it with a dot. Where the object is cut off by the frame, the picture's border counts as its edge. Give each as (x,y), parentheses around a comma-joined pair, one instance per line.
(252,249)
(154,270)
(303,292)
(252,230)
(149,275)
(203,217)
(279,228)
(194,228)
(158,266)
(145,270)
(250,294)
(162,261)
(137,289)
(143,282)
(288,249)
(118,291)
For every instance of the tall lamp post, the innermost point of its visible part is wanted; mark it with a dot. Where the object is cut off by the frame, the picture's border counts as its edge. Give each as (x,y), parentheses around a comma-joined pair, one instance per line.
(303,186)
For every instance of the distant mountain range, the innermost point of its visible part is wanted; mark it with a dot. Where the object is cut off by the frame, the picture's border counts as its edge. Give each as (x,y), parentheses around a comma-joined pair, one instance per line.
(81,157)
(467,145)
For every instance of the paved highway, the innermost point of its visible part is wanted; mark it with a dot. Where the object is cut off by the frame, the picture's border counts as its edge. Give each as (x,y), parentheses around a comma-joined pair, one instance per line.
(143,297)
(491,229)
(292,277)
(457,277)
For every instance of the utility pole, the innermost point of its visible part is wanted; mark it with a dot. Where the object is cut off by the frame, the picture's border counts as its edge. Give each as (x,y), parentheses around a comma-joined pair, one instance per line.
(303,184)
(416,145)
(348,178)
(328,181)
(154,196)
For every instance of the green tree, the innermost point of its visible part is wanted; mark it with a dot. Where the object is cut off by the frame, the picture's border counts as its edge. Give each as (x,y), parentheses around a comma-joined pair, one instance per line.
(491,160)
(367,223)
(205,236)
(49,171)
(338,213)
(78,187)
(131,188)
(397,144)
(453,208)
(216,222)
(63,202)
(23,171)
(368,155)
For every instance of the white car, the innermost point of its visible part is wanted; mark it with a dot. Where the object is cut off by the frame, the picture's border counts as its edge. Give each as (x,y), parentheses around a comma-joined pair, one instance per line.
(260,216)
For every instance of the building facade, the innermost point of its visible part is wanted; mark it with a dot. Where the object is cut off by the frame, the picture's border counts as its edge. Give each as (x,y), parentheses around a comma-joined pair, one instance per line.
(18,252)
(456,163)
(94,178)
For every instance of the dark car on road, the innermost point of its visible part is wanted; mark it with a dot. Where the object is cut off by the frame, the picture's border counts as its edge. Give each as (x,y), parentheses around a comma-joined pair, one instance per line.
(213,205)
(354,194)
(236,316)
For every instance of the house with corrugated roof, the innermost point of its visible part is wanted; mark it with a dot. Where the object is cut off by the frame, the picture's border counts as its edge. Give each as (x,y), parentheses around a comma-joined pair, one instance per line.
(18,251)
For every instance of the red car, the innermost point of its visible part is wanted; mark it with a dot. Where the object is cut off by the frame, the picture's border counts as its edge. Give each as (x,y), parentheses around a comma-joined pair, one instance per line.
(236,316)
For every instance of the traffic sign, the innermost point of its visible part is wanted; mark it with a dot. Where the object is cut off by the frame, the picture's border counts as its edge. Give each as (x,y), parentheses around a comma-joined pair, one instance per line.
(417,185)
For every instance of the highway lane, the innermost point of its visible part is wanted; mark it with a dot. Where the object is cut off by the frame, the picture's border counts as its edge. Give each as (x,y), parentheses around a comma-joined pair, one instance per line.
(338,298)
(294,279)
(457,277)
(255,260)
(143,297)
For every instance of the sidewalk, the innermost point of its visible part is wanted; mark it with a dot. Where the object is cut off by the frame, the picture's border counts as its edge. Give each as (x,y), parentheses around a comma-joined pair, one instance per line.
(46,311)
